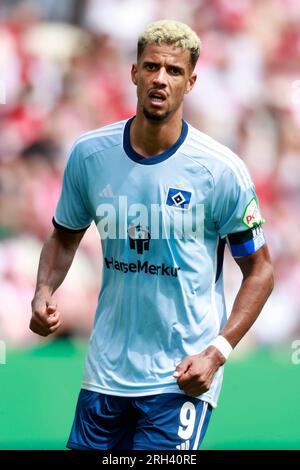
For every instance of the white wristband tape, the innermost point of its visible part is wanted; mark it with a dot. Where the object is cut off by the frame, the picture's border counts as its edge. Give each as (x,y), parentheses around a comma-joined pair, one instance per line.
(222,345)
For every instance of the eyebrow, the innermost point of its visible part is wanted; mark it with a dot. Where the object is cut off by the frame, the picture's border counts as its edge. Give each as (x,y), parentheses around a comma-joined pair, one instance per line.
(153,62)
(149,62)
(180,69)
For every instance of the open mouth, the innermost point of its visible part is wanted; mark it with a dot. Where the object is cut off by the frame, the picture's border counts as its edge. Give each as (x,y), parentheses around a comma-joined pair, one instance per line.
(157,97)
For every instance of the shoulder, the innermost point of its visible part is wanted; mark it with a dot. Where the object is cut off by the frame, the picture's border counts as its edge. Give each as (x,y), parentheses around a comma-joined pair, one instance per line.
(99,139)
(219,160)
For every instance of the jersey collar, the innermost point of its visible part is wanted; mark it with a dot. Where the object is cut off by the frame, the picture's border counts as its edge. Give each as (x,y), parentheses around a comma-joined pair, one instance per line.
(136,157)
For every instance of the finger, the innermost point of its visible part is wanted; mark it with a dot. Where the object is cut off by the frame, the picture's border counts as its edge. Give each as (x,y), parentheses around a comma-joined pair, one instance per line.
(43,323)
(52,324)
(196,387)
(43,330)
(185,380)
(182,367)
(51,309)
(53,328)
(187,375)
(46,331)
(46,321)
(52,320)
(190,381)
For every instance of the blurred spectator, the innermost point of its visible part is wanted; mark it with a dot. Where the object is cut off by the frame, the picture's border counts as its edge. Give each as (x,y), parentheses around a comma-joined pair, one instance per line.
(66,68)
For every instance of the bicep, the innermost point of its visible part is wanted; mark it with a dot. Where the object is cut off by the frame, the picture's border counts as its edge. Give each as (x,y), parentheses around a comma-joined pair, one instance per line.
(68,239)
(255,263)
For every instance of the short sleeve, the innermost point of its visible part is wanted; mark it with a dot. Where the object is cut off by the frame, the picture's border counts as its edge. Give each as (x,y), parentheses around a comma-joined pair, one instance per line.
(72,210)
(236,213)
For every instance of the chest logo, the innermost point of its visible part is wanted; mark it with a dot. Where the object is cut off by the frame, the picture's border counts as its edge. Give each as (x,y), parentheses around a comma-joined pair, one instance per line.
(139,238)
(178,198)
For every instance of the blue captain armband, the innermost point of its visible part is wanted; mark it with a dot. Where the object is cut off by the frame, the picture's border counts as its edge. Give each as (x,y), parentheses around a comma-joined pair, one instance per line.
(247,242)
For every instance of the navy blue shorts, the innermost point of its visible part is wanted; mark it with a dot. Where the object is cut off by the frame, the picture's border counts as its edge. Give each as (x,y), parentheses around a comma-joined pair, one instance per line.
(167,421)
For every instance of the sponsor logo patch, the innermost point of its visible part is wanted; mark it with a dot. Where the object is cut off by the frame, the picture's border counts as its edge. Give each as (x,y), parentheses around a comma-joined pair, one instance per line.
(139,238)
(252,217)
(142,267)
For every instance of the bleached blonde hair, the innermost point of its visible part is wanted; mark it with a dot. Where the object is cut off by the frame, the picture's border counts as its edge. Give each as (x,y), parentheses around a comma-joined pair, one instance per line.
(171,32)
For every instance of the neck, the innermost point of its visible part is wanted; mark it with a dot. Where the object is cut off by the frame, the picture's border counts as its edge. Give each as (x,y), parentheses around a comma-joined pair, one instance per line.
(149,138)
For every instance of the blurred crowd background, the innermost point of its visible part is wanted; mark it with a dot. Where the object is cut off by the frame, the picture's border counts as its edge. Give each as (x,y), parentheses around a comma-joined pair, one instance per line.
(65,69)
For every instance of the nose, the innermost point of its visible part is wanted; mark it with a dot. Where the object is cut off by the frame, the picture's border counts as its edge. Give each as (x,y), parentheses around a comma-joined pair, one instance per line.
(160,78)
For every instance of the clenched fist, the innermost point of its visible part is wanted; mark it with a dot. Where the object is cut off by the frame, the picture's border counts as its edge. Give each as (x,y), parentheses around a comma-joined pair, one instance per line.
(195,373)
(45,316)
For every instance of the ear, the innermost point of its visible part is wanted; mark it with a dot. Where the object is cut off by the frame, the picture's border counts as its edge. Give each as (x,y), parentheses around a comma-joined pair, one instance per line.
(134,73)
(191,82)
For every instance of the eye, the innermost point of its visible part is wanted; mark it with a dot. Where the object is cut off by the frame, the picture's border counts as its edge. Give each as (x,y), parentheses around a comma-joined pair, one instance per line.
(150,67)
(175,71)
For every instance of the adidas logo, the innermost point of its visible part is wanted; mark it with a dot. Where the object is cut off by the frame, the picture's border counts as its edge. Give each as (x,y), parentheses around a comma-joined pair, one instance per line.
(183,446)
(107,191)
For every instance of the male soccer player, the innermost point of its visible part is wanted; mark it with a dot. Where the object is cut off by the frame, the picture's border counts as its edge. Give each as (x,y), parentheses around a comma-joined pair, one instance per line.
(166,198)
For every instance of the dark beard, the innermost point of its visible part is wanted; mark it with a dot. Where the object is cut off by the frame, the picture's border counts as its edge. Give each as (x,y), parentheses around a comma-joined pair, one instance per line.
(155,117)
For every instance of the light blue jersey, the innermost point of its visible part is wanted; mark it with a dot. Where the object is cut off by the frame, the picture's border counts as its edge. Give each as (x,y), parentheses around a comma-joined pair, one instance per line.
(164,222)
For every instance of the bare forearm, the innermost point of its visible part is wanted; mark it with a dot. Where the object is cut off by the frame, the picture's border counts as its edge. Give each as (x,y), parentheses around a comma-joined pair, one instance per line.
(195,373)
(55,260)
(252,295)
